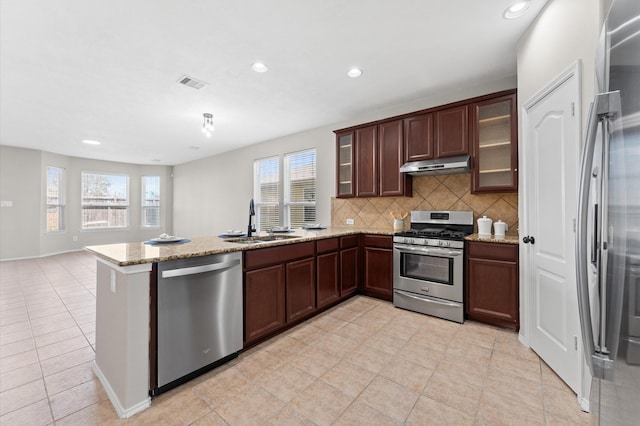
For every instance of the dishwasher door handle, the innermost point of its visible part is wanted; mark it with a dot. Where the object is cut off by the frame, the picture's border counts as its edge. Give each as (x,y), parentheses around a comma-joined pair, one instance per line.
(182,272)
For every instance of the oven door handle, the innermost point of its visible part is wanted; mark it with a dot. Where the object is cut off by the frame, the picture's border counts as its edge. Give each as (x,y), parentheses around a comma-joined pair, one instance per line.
(428,299)
(427,250)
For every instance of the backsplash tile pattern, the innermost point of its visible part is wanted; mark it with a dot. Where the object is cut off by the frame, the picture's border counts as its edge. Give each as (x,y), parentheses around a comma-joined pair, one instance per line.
(447,192)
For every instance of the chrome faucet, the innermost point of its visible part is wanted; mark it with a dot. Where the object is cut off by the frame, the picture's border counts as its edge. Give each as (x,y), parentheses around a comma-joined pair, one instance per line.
(252,212)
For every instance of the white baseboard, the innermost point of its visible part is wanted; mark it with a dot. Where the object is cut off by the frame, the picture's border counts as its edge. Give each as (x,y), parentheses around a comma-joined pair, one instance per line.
(584,404)
(41,256)
(123,412)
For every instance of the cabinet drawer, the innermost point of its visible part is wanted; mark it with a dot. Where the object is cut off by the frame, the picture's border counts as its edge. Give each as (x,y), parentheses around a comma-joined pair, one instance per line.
(496,251)
(270,256)
(329,244)
(350,241)
(382,241)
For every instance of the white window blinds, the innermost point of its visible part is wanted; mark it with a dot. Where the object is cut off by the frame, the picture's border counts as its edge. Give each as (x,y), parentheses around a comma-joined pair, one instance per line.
(266,192)
(300,188)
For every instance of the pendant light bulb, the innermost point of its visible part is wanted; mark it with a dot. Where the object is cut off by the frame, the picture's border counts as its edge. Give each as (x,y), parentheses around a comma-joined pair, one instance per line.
(207,125)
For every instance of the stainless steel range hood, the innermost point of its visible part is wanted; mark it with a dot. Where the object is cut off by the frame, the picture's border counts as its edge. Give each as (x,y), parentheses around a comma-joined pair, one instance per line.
(440,166)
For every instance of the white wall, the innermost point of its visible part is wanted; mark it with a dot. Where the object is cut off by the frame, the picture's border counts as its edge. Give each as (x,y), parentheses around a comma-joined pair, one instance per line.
(212,194)
(565,31)
(23,181)
(19,183)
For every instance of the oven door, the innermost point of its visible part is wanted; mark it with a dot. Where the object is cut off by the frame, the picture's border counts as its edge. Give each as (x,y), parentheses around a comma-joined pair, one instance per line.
(430,271)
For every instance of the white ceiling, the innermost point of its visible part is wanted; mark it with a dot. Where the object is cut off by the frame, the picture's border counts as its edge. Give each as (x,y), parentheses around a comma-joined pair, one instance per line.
(108,70)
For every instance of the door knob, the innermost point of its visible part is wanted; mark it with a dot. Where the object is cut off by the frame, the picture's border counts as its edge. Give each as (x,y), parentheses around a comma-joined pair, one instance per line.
(529,239)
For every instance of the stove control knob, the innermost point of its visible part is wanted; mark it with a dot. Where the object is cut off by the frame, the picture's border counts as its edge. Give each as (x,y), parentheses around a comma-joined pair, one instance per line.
(445,243)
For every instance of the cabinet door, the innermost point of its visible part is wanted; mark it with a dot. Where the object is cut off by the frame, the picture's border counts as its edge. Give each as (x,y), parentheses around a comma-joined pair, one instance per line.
(452,132)
(301,288)
(328,289)
(391,145)
(418,137)
(367,161)
(378,272)
(492,291)
(264,302)
(494,139)
(348,271)
(344,167)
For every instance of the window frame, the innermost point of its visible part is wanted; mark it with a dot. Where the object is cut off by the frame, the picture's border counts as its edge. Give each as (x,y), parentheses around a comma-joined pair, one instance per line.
(61,204)
(144,207)
(109,207)
(258,203)
(287,203)
(283,186)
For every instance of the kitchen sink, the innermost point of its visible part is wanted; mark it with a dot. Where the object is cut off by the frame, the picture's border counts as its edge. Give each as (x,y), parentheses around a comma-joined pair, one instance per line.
(261,239)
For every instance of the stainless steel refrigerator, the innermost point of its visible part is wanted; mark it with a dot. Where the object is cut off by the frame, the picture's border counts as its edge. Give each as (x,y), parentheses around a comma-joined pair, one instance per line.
(608,226)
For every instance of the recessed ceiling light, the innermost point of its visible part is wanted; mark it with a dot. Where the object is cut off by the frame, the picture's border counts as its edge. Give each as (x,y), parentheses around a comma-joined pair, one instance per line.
(354,72)
(259,67)
(90,142)
(517,9)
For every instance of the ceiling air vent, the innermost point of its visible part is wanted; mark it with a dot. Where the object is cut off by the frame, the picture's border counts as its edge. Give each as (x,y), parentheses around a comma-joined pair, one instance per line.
(191,82)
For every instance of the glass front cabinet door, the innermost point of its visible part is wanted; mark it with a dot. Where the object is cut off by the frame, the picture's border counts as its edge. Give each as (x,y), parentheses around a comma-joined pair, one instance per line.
(344,156)
(494,132)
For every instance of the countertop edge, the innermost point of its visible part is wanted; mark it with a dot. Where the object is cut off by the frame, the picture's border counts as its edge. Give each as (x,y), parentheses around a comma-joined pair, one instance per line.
(128,254)
(509,239)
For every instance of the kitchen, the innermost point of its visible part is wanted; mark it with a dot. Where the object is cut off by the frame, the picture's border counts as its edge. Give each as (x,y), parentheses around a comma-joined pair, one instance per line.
(193,222)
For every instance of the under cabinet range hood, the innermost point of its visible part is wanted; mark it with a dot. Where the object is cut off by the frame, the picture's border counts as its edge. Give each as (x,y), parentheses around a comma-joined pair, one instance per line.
(439,166)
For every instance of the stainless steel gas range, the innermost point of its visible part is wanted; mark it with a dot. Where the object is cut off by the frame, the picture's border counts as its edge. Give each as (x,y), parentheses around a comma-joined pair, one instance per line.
(428,263)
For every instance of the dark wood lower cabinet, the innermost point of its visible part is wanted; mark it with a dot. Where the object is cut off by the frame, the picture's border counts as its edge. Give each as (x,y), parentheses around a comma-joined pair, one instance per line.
(264,302)
(328,278)
(300,288)
(349,271)
(378,266)
(492,294)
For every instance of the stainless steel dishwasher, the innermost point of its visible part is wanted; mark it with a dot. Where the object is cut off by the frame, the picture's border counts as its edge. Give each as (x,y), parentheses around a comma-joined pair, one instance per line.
(199,316)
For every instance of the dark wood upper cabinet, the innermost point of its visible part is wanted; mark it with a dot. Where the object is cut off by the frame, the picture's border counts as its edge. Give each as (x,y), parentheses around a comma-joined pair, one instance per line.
(345,147)
(418,137)
(452,132)
(391,146)
(494,145)
(366,161)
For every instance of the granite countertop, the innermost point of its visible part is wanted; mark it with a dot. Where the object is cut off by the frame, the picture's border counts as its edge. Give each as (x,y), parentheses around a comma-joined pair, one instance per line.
(508,239)
(126,254)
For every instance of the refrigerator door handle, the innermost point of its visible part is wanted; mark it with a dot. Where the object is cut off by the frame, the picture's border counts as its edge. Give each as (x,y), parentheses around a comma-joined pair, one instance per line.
(584,188)
(604,106)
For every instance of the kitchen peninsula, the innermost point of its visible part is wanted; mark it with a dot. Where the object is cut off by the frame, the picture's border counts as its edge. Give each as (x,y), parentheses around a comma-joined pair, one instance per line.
(126,277)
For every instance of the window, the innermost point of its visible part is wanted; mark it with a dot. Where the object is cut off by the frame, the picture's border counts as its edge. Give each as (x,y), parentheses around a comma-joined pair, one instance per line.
(297,194)
(300,188)
(150,201)
(55,199)
(105,201)
(266,192)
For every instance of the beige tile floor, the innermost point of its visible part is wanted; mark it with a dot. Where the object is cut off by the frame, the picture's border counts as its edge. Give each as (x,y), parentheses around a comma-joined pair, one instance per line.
(362,362)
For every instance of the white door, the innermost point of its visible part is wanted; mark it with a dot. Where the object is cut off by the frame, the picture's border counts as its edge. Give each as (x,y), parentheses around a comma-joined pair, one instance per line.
(550,160)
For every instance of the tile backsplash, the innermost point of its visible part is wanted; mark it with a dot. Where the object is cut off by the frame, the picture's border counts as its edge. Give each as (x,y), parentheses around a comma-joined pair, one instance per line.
(446,192)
